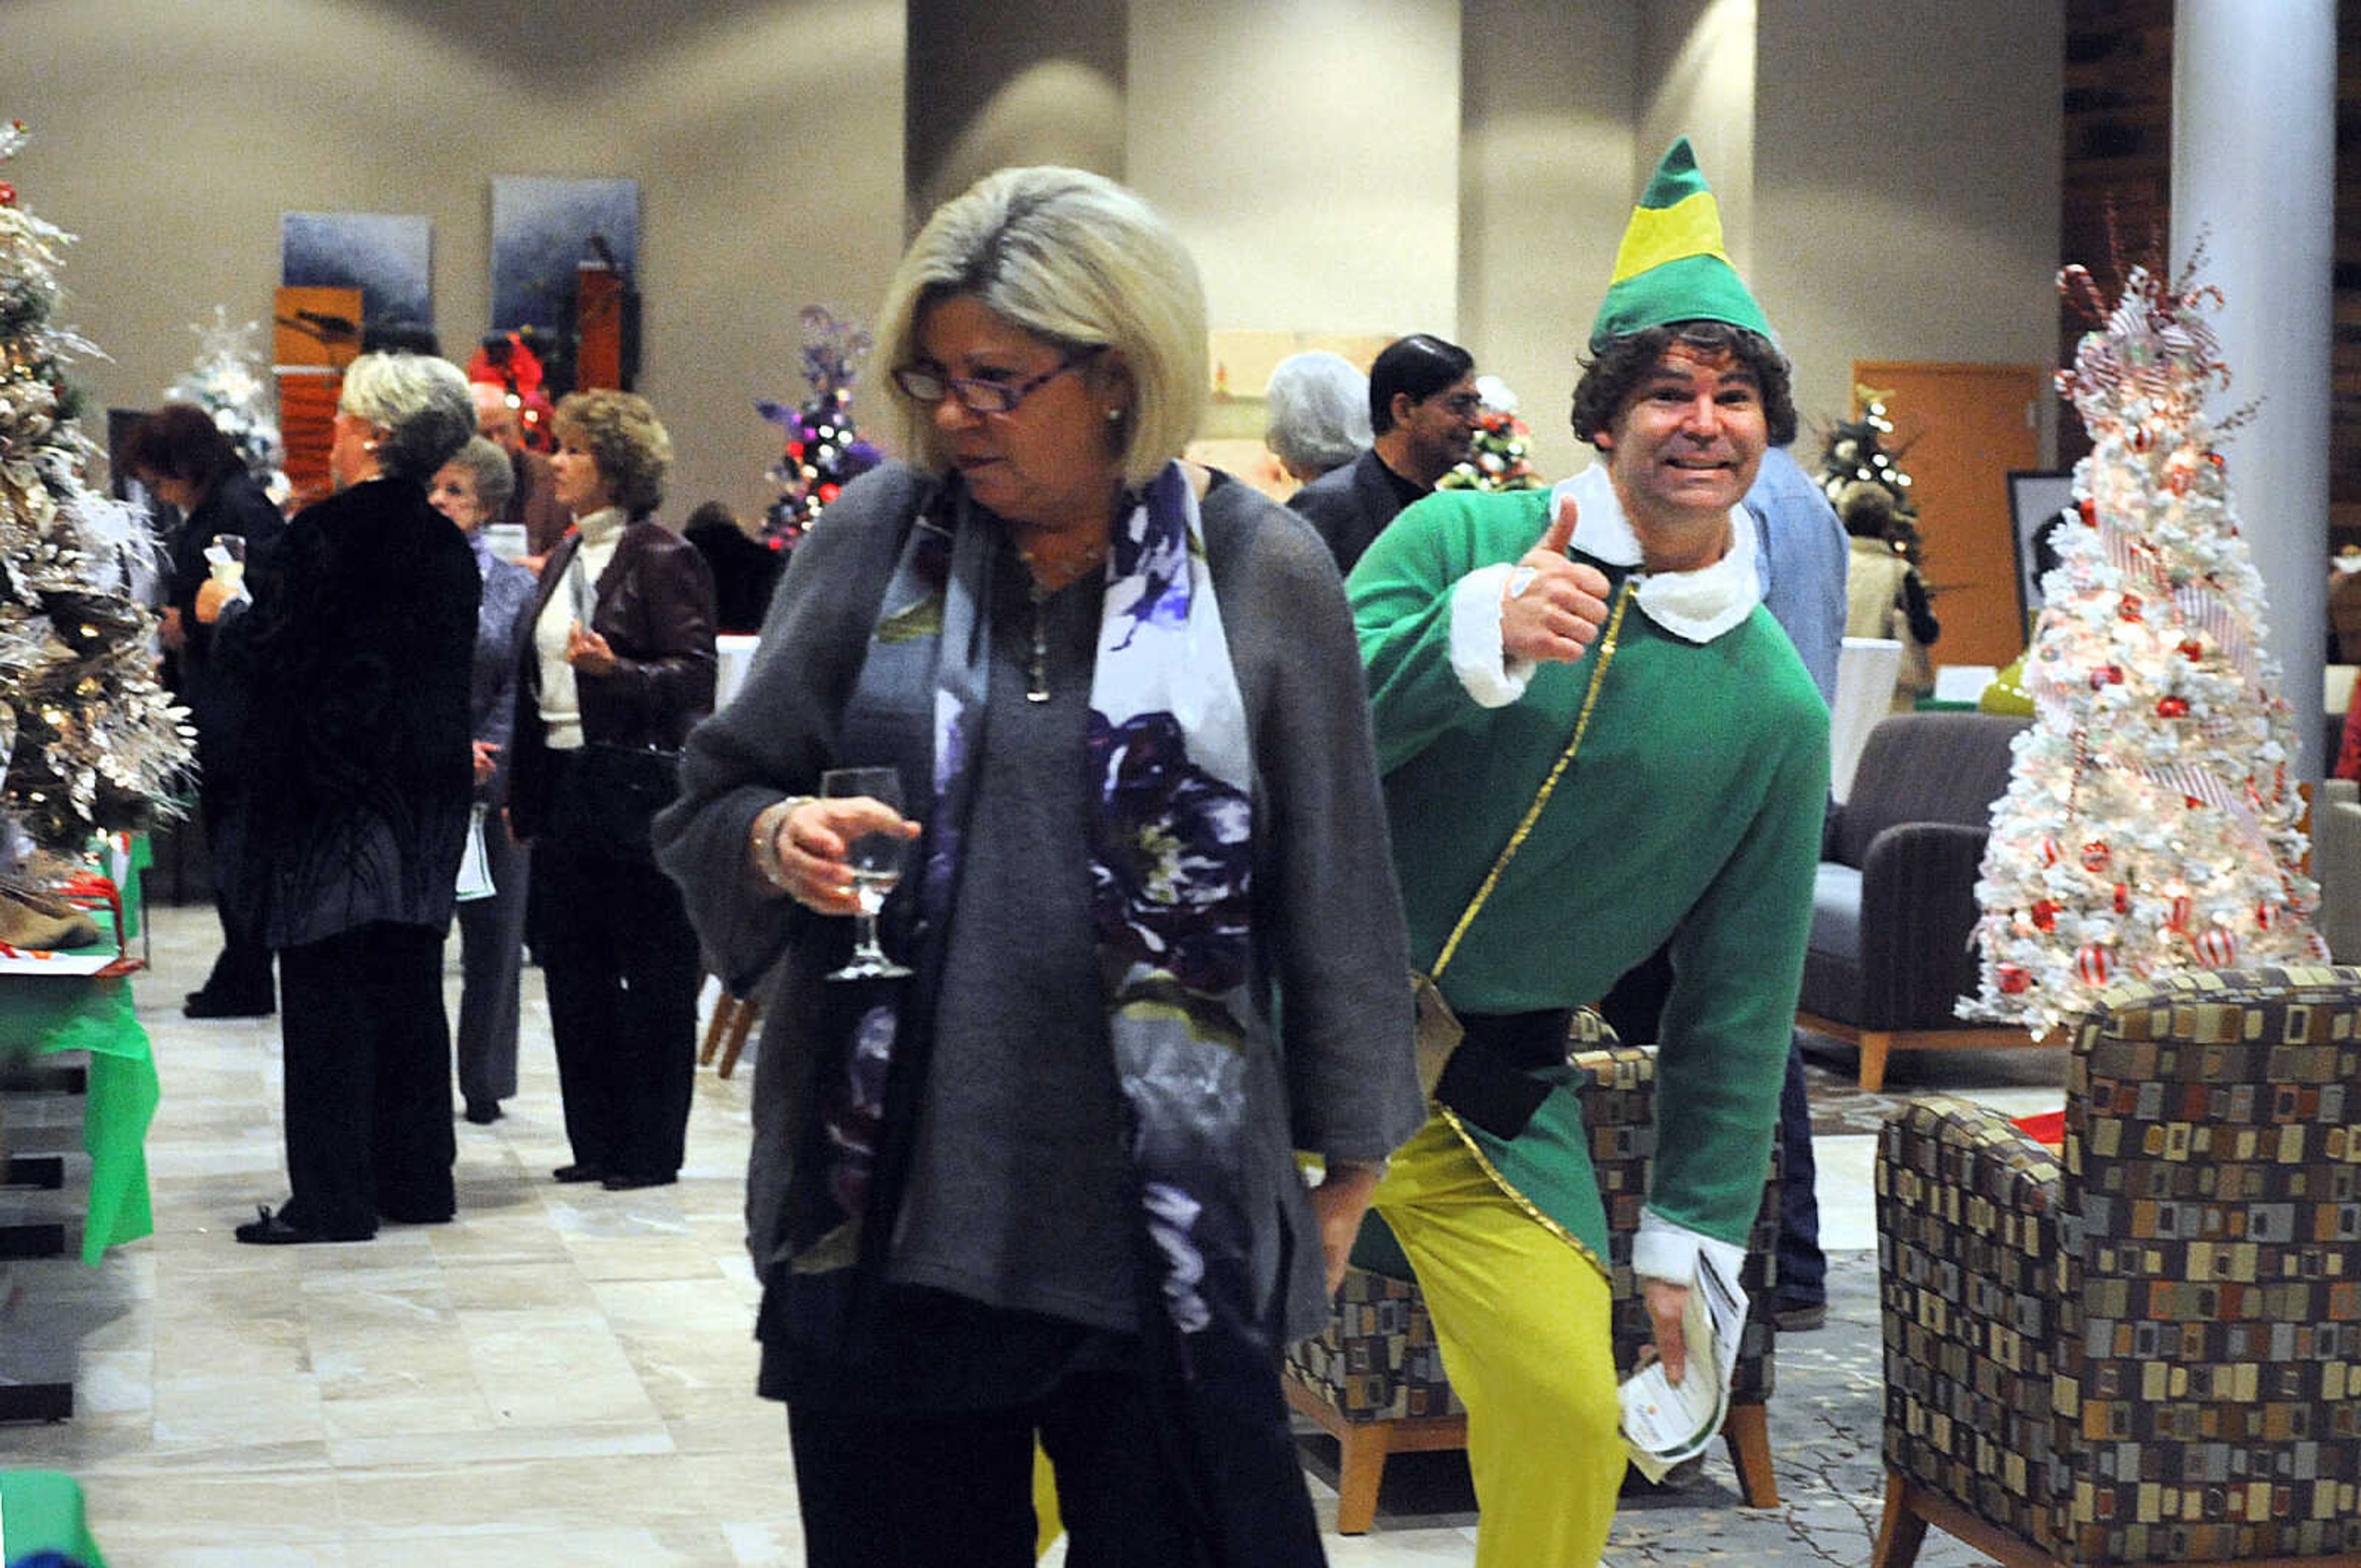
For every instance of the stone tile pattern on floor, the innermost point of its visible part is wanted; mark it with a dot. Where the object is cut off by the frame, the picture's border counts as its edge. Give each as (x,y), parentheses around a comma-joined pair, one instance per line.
(562,1377)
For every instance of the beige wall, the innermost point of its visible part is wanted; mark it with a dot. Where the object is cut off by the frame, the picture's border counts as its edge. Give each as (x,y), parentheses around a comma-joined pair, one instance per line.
(1918,221)
(1309,153)
(766,136)
(1464,168)
(1545,179)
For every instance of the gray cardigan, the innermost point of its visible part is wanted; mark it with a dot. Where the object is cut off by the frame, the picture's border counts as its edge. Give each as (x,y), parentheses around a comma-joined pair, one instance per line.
(1335,1078)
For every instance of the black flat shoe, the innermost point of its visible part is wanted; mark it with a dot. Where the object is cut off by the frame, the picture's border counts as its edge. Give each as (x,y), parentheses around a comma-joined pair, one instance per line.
(206,1004)
(483,1112)
(621,1183)
(267,1229)
(579,1173)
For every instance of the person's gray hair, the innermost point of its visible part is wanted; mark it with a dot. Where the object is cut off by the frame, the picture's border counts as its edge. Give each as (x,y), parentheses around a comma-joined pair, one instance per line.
(495,475)
(422,403)
(1081,262)
(1317,412)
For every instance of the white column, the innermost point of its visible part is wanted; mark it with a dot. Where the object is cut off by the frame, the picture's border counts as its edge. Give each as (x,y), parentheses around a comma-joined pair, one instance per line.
(2254,174)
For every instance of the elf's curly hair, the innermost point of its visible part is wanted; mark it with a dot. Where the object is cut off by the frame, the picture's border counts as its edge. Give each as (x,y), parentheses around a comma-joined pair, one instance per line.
(1608,380)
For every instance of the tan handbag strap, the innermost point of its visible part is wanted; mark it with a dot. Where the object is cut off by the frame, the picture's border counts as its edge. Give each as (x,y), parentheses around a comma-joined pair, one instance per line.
(1541,799)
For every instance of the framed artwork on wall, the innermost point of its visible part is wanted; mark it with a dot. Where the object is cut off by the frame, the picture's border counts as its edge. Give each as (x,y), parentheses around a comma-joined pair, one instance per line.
(2039,499)
(389,257)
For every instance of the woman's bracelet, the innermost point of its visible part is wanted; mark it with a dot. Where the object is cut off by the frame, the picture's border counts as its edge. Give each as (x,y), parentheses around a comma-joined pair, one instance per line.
(769,823)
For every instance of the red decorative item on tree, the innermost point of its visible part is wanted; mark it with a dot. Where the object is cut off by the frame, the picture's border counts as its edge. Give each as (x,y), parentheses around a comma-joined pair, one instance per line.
(7,194)
(2045,915)
(2106,676)
(2014,979)
(2092,963)
(2216,948)
(2130,608)
(2095,856)
(2122,899)
(2172,708)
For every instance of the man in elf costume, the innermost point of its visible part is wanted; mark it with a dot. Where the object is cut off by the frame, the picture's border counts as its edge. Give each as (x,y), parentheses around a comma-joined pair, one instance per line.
(1613,624)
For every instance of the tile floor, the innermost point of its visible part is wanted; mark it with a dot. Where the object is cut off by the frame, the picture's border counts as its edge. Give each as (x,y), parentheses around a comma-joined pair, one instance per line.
(559,1377)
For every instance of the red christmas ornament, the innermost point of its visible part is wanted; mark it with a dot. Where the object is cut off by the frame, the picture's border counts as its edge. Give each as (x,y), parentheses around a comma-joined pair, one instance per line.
(2090,509)
(2130,608)
(2140,440)
(7,194)
(2094,855)
(827,493)
(2045,915)
(2172,708)
(2013,980)
(2092,963)
(2192,649)
(2216,948)
(2191,802)
(2048,851)
(2217,460)
(795,451)
(2106,676)
(2122,899)
(2266,916)
(2178,915)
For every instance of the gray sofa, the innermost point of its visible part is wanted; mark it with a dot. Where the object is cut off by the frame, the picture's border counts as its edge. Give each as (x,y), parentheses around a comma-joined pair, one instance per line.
(1895,899)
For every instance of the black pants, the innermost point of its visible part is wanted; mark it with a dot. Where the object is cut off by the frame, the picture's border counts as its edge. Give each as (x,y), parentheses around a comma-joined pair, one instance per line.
(920,1491)
(367,1058)
(619,962)
(241,972)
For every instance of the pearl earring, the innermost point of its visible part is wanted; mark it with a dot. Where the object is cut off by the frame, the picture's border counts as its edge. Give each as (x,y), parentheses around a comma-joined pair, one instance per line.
(1115,416)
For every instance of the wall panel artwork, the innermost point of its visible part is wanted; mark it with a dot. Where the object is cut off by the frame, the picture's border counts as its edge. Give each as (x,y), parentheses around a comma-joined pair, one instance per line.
(389,257)
(542,230)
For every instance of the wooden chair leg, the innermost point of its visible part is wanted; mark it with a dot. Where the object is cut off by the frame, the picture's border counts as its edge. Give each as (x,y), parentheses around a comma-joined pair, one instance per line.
(1901,1529)
(739,1027)
(715,1027)
(1747,1430)
(1360,1466)
(1875,1044)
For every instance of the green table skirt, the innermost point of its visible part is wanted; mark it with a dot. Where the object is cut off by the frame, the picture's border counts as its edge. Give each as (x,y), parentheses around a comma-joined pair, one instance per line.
(41,1510)
(46,1013)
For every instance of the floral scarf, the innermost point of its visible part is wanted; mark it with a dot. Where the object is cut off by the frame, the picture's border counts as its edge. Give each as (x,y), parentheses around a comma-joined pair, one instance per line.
(1171,842)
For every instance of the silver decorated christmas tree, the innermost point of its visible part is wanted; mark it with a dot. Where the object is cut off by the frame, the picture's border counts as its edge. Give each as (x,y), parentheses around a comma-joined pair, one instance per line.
(89,741)
(2148,827)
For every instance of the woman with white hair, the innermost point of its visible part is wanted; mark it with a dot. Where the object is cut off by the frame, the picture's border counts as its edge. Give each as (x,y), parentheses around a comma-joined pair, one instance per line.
(1317,414)
(1040,1186)
(355,659)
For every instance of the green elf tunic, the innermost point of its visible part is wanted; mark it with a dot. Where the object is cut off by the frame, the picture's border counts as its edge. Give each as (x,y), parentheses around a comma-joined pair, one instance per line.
(1691,814)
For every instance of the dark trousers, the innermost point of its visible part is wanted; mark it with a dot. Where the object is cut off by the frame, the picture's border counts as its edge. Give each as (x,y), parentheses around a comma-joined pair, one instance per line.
(241,972)
(619,962)
(1634,1008)
(491,959)
(922,1490)
(368,1059)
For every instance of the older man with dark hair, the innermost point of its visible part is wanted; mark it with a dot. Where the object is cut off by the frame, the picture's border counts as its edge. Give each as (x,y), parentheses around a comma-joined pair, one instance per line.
(1596,743)
(1425,412)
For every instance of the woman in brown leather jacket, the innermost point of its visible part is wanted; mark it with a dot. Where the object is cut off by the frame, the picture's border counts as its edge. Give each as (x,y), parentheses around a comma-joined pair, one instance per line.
(619,665)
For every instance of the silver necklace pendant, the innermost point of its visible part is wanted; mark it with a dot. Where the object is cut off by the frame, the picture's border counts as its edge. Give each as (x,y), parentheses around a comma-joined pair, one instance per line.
(1037,667)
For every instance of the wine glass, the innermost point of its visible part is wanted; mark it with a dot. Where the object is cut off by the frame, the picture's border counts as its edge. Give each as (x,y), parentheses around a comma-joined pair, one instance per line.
(874,862)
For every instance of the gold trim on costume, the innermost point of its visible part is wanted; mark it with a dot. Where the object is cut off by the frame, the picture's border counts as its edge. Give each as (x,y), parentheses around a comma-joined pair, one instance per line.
(1532,1211)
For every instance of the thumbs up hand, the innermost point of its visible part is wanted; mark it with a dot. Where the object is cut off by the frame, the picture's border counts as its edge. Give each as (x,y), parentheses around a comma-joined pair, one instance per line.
(1553,607)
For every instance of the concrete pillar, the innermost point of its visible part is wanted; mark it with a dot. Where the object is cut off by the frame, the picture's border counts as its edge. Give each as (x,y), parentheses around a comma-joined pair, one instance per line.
(2254,175)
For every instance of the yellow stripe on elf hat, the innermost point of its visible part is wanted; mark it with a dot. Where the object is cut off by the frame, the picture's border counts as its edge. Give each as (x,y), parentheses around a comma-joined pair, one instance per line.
(1670,266)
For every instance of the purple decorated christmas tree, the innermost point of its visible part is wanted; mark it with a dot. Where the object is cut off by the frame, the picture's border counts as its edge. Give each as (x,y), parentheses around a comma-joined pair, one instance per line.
(823,452)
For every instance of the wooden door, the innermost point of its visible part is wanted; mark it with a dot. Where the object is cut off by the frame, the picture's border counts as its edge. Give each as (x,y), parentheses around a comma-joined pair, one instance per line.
(1961,429)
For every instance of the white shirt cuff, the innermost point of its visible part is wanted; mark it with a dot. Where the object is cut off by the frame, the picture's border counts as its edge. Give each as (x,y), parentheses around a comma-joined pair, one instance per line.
(1663,1250)
(1477,656)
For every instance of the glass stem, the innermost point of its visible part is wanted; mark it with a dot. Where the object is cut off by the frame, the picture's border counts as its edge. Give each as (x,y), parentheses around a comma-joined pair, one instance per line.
(866,929)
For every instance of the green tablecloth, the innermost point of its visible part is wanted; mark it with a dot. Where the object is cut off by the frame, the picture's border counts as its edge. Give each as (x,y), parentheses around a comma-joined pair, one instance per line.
(41,1510)
(44,1014)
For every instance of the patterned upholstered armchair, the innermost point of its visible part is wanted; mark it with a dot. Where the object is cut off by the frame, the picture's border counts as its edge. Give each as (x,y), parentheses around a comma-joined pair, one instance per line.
(1374,1380)
(2145,1349)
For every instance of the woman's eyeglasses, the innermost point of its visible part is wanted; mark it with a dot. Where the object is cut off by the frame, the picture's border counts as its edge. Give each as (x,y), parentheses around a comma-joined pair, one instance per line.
(923,384)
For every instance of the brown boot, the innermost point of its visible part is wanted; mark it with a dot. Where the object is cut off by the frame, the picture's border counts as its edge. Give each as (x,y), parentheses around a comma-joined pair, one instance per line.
(30,920)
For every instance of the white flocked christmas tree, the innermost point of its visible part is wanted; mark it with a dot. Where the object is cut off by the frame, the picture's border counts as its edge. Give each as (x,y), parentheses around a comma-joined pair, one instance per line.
(2148,827)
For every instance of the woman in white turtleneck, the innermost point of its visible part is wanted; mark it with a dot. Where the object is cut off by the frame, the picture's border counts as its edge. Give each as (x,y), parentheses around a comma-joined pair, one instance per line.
(620,664)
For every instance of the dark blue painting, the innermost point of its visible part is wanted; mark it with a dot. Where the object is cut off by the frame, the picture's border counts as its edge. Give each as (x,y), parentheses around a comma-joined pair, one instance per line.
(541,230)
(389,259)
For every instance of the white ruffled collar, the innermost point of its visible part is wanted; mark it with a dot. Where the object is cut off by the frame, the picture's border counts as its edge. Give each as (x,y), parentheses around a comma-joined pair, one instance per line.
(1697,606)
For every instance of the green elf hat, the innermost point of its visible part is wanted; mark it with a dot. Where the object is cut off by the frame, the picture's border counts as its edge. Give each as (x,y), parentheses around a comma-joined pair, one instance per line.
(1670,266)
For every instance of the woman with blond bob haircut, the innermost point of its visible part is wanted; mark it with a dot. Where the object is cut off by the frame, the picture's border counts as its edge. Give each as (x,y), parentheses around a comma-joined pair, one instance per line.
(1036,1186)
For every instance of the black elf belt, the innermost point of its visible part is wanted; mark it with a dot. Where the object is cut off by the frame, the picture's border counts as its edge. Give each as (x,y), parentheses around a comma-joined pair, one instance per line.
(1488,1080)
